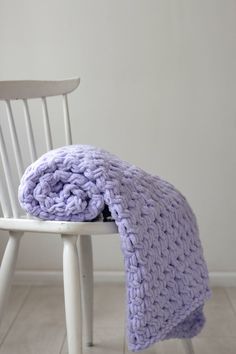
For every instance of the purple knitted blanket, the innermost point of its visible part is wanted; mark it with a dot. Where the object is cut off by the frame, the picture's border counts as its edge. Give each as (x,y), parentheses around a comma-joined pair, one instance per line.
(166,275)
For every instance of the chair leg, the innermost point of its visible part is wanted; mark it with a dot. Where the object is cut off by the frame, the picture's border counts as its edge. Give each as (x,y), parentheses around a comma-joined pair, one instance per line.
(188,346)
(7,268)
(71,278)
(86,266)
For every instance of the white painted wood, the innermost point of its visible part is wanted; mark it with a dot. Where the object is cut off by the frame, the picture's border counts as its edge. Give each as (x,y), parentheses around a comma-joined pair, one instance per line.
(231,294)
(8,267)
(109,305)
(52,277)
(7,171)
(17,297)
(3,196)
(35,324)
(25,89)
(188,346)
(109,320)
(71,276)
(223,279)
(170,346)
(39,327)
(44,277)
(68,135)
(221,322)
(86,271)
(109,340)
(47,129)
(215,345)
(38,277)
(36,225)
(14,138)
(29,131)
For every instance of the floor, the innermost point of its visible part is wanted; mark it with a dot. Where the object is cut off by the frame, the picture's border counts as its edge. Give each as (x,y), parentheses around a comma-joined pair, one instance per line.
(34,323)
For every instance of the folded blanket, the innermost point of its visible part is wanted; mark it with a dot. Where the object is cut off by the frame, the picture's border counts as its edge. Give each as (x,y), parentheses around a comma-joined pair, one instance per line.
(166,275)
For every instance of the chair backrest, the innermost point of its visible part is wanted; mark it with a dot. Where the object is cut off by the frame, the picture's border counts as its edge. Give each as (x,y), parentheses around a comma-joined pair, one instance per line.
(24,91)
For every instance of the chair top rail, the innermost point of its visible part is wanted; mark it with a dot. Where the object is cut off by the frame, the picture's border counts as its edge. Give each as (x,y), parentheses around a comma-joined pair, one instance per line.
(27,89)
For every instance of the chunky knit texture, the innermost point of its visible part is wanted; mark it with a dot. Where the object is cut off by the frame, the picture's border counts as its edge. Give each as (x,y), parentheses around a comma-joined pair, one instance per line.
(166,275)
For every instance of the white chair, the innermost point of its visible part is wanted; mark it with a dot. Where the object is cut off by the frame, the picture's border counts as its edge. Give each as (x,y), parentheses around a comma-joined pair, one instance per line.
(18,224)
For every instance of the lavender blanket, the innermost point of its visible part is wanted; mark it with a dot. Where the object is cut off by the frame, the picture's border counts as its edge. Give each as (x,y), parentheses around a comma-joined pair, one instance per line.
(166,275)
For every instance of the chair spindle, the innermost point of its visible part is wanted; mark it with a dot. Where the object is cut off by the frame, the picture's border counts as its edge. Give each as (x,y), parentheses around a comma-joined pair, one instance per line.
(15,142)
(7,171)
(47,129)
(3,200)
(29,130)
(67,120)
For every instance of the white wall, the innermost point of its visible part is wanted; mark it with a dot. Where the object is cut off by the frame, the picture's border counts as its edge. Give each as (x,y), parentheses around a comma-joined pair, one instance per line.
(158,86)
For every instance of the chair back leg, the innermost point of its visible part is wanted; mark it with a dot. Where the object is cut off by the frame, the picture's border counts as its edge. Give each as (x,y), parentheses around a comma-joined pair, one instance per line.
(7,268)
(86,271)
(188,346)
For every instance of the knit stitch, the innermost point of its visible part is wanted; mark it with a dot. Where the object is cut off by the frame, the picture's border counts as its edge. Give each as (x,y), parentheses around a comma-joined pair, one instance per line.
(166,274)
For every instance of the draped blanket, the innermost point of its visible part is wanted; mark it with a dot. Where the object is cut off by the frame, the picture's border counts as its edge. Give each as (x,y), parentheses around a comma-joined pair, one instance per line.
(166,275)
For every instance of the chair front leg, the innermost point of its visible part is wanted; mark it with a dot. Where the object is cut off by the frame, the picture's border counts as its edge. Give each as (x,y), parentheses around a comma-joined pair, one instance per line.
(7,268)
(86,271)
(71,276)
(188,346)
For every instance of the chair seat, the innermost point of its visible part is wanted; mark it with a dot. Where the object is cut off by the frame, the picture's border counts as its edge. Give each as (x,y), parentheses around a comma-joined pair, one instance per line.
(58,227)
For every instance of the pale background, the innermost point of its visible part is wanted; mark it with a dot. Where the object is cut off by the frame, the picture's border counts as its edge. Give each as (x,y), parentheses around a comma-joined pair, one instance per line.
(158,86)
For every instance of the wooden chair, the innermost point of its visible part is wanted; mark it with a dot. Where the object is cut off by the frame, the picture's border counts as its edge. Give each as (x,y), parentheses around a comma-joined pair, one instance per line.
(78,281)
